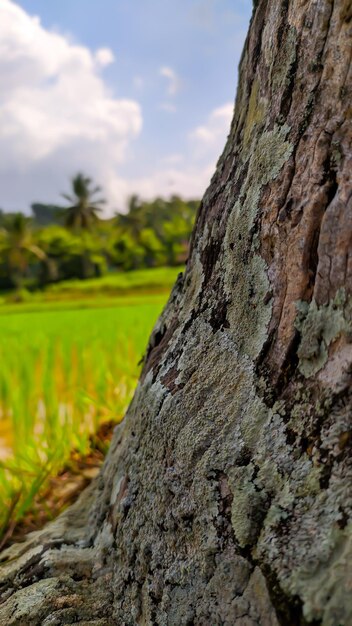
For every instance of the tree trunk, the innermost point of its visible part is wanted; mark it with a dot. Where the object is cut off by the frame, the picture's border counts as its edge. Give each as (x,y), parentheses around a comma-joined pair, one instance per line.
(226,496)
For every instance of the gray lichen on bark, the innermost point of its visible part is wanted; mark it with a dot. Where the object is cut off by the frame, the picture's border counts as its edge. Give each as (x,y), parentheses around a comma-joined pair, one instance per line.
(319,326)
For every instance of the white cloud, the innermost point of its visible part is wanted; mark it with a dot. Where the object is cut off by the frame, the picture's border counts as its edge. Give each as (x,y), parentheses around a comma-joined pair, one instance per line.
(188,174)
(168,107)
(56,113)
(174,82)
(189,182)
(138,82)
(173,159)
(57,117)
(209,138)
(104,57)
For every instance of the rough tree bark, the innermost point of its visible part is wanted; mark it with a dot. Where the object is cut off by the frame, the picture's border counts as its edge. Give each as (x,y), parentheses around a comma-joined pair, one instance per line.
(226,496)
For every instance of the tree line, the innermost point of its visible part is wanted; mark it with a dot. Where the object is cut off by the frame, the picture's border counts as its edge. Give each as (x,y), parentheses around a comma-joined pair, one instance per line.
(62,242)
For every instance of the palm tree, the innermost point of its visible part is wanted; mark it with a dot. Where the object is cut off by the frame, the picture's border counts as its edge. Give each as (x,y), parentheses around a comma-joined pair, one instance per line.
(133,221)
(17,247)
(83,210)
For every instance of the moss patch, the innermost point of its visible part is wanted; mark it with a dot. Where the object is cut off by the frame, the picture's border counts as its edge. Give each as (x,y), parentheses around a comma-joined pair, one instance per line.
(255,113)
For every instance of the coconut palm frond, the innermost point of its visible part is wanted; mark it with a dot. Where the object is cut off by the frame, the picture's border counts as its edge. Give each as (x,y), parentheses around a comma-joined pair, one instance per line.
(84,208)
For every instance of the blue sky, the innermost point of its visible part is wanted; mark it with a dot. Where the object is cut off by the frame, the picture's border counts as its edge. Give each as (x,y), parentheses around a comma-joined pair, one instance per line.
(138,93)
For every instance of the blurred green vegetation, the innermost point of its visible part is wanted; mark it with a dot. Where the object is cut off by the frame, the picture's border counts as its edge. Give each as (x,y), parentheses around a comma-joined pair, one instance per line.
(63,243)
(63,373)
(96,292)
(79,296)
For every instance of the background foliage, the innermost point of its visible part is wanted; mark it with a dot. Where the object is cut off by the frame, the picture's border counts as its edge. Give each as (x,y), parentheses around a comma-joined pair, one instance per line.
(79,296)
(58,243)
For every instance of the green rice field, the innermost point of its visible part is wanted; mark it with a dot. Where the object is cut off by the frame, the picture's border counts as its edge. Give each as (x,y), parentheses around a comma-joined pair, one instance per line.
(66,367)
